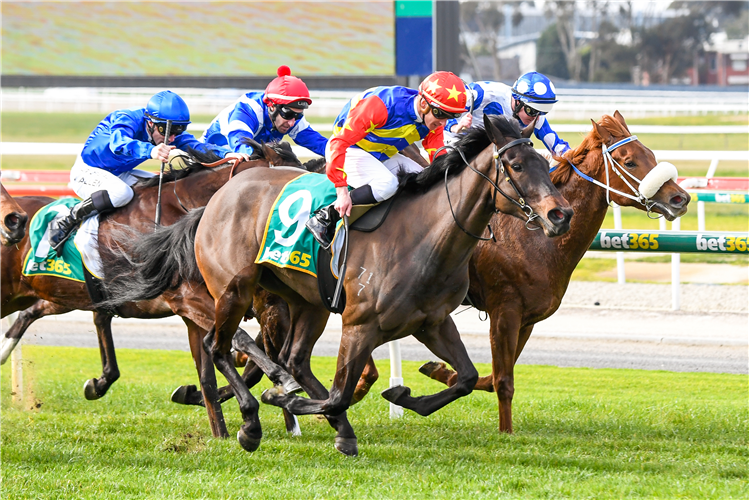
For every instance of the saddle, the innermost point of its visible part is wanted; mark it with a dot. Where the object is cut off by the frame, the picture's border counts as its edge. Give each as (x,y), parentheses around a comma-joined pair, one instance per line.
(364,218)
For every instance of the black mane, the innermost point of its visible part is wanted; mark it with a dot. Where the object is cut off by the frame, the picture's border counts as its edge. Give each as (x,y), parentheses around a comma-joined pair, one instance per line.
(193,160)
(471,143)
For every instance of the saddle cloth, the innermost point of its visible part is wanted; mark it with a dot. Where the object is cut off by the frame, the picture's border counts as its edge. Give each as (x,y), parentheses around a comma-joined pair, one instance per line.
(81,250)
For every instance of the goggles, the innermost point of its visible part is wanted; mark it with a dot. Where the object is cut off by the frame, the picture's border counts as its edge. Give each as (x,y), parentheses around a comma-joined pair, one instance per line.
(532,112)
(177,128)
(441,114)
(288,114)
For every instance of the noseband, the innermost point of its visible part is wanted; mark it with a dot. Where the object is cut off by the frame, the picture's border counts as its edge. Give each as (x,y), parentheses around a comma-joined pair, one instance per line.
(499,167)
(610,162)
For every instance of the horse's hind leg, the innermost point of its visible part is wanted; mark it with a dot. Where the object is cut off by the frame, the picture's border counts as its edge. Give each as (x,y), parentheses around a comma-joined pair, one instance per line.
(444,341)
(368,377)
(23,322)
(95,388)
(230,309)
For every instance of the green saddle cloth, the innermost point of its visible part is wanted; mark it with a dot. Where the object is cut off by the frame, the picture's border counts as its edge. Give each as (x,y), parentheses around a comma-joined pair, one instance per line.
(43,261)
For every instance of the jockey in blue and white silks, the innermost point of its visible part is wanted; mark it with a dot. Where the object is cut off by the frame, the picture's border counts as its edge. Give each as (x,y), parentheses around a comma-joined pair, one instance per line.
(105,170)
(532,95)
(267,117)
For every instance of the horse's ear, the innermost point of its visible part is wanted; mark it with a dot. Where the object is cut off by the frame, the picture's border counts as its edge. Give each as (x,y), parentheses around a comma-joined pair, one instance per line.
(620,119)
(271,155)
(528,130)
(492,131)
(604,134)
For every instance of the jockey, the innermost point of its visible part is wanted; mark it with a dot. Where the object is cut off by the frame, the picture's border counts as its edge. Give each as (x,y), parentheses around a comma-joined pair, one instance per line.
(267,117)
(105,169)
(370,132)
(531,96)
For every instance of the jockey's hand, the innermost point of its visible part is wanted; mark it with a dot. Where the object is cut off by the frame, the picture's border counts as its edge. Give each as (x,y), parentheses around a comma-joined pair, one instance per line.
(343,201)
(161,152)
(465,122)
(240,156)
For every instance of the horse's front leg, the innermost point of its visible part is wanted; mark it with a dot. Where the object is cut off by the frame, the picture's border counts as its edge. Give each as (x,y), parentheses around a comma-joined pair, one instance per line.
(444,341)
(97,387)
(368,377)
(25,318)
(505,335)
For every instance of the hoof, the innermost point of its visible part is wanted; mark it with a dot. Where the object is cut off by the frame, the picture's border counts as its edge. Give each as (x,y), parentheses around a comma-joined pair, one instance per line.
(248,443)
(292,387)
(395,393)
(347,446)
(184,395)
(240,358)
(89,390)
(271,396)
(430,367)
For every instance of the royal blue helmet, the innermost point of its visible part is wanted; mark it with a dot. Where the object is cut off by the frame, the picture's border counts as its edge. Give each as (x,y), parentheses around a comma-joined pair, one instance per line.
(166,105)
(536,90)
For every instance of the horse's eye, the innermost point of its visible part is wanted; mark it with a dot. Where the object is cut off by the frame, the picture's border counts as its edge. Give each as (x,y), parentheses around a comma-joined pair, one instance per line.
(630,164)
(517,167)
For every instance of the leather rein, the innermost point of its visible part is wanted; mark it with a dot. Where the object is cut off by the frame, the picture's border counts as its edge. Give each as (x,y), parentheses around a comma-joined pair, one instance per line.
(499,168)
(233,161)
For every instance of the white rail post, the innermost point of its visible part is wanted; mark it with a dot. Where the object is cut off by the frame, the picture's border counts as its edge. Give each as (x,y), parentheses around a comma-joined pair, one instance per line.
(620,276)
(16,367)
(675,275)
(701,204)
(396,375)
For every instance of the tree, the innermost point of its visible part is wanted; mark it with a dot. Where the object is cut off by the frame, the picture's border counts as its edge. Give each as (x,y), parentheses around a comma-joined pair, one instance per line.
(550,58)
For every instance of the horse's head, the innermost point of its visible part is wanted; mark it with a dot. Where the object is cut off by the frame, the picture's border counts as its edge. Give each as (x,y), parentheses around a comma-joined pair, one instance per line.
(12,219)
(630,170)
(524,188)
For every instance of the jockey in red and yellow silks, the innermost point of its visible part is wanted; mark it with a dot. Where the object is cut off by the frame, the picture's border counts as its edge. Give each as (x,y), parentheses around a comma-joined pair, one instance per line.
(369,134)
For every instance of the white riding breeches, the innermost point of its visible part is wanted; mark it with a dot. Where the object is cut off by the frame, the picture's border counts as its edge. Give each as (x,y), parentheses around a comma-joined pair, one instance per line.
(86,180)
(362,168)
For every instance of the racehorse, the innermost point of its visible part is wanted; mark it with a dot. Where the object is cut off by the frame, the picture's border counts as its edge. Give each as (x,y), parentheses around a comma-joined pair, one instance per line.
(12,219)
(521,278)
(410,273)
(38,296)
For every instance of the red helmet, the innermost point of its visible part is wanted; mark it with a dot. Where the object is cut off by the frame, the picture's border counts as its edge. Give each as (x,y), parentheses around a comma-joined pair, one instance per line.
(288,90)
(444,90)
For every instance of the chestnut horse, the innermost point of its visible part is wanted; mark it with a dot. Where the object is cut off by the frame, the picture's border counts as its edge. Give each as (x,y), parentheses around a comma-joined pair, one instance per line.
(12,219)
(38,296)
(411,272)
(521,278)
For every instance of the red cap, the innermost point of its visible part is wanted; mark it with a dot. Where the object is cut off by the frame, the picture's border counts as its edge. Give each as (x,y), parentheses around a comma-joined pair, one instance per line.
(444,90)
(287,89)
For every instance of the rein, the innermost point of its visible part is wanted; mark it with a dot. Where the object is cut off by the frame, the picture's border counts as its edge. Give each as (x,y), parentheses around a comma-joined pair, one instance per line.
(233,161)
(498,168)
(610,162)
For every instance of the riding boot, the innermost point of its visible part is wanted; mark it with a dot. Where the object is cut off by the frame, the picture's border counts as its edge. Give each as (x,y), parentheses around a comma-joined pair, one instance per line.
(61,229)
(322,225)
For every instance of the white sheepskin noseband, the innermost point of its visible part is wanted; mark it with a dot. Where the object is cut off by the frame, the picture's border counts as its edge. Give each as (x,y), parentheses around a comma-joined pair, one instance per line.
(662,173)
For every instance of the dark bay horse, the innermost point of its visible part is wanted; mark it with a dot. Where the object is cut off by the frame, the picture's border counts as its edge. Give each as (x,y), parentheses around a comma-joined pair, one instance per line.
(38,296)
(411,272)
(521,278)
(12,219)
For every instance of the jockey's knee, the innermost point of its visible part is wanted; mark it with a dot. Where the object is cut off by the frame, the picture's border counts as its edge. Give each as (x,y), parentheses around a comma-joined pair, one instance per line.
(383,189)
(121,195)
(102,202)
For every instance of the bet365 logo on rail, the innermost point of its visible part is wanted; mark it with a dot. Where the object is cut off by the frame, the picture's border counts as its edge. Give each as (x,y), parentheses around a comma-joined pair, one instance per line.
(721,243)
(630,241)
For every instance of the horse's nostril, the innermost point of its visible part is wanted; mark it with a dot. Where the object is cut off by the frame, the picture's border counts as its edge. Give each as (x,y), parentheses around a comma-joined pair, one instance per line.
(556,215)
(677,200)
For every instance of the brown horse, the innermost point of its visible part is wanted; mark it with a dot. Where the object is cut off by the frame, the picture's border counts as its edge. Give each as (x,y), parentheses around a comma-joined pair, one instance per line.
(12,219)
(38,296)
(414,273)
(521,278)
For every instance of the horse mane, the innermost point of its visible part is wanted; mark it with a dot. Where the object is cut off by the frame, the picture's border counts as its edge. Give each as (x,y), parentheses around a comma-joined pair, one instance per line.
(589,150)
(317,165)
(471,144)
(194,159)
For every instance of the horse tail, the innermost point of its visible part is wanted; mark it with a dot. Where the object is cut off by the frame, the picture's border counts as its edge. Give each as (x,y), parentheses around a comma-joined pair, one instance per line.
(143,266)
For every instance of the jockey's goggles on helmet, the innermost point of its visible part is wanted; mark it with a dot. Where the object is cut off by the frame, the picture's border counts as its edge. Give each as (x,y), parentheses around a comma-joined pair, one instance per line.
(289,114)
(441,114)
(532,112)
(177,128)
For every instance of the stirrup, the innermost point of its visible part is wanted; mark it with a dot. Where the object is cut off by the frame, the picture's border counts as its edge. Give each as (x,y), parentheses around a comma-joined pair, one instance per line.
(319,232)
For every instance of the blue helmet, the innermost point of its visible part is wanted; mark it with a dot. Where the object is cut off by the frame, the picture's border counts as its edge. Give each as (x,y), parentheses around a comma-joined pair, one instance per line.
(166,105)
(536,91)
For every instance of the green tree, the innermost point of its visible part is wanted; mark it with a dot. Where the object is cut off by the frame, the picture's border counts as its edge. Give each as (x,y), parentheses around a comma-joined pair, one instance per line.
(550,58)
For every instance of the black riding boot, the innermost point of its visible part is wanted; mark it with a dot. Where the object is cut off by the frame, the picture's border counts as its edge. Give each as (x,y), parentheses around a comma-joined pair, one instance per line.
(61,229)
(322,225)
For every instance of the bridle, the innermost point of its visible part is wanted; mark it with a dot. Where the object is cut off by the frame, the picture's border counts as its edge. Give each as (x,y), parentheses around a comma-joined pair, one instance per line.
(233,161)
(499,168)
(610,163)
